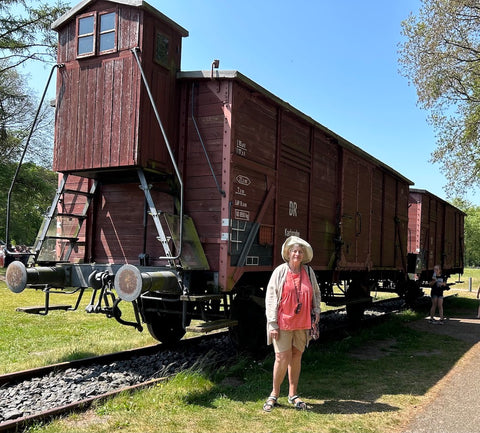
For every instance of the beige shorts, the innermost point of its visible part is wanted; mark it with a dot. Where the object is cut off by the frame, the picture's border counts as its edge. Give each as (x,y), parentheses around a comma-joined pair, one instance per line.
(287,339)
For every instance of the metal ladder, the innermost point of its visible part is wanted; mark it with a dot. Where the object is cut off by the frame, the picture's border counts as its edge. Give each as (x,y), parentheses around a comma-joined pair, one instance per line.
(56,224)
(156,219)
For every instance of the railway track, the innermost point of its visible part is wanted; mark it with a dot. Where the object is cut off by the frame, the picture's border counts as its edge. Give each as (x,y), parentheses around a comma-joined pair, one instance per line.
(39,394)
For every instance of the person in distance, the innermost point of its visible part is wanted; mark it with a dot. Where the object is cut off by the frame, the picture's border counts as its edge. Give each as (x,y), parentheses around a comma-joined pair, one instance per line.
(438,285)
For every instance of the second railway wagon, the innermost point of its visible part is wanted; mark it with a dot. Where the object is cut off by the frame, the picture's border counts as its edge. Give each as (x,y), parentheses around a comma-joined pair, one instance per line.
(435,235)
(177,189)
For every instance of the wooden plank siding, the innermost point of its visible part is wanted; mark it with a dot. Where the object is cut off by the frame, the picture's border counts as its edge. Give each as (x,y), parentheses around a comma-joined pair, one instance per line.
(202,199)
(104,116)
(436,231)
(352,210)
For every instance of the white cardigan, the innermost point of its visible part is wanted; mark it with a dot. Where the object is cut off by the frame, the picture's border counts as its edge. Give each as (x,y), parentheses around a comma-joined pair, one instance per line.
(274,295)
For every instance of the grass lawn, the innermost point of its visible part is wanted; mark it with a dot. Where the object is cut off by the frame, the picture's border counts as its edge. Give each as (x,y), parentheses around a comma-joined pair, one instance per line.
(347,392)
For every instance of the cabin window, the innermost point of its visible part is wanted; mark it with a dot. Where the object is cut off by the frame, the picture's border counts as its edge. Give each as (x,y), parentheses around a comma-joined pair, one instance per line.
(107,32)
(161,49)
(96,34)
(86,35)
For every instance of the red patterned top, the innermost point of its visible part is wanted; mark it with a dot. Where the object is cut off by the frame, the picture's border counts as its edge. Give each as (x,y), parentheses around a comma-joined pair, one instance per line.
(296,290)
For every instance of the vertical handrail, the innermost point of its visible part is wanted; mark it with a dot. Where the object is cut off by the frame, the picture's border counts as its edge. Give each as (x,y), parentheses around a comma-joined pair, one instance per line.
(17,171)
(167,143)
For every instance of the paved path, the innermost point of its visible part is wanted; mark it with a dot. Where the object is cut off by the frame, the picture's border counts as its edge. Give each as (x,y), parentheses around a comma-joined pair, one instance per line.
(453,404)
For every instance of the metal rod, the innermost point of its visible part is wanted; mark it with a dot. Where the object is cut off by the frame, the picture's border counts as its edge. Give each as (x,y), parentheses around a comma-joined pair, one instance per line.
(17,171)
(220,190)
(172,158)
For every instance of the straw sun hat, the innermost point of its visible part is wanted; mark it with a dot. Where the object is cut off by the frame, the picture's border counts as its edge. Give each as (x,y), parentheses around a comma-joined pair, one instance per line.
(294,240)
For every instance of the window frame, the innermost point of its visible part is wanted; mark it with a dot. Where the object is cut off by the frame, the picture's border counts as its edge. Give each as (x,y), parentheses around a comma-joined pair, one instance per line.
(96,34)
(114,31)
(164,61)
(78,36)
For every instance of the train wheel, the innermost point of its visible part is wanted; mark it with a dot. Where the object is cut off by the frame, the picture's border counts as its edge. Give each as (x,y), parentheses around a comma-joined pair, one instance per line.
(167,328)
(358,299)
(248,308)
(163,319)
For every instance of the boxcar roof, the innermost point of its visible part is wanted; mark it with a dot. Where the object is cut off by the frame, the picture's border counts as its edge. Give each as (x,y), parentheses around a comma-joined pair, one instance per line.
(134,3)
(235,75)
(423,191)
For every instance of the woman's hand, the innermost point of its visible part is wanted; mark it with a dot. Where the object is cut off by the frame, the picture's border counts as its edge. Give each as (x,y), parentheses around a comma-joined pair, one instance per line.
(274,334)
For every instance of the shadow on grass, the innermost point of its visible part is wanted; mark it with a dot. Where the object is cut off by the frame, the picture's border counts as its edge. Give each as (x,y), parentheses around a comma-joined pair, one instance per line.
(346,407)
(77,356)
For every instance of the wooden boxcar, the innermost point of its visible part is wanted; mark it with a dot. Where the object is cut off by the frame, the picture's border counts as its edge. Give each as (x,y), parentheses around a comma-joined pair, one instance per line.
(177,189)
(283,174)
(435,235)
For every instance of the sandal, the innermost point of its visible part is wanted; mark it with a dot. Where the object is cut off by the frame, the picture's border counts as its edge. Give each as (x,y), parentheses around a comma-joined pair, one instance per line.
(299,404)
(270,403)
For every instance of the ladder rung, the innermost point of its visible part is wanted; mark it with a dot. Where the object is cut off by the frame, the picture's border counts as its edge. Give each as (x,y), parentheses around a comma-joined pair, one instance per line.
(211,326)
(50,262)
(76,191)
(200,298)
(66,238)
(71,215)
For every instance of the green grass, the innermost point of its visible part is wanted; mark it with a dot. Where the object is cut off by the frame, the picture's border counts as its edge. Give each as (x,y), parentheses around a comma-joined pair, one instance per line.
(346,393)
(31,340)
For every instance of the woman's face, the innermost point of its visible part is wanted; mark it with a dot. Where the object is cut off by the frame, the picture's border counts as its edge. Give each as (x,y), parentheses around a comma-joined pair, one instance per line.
(296,254)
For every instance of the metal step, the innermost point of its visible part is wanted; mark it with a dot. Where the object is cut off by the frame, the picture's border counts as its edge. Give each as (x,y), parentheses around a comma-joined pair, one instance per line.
(39,308)
(205,327)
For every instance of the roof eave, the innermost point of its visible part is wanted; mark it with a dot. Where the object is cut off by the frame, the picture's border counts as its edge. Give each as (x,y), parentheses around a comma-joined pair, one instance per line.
(134,3)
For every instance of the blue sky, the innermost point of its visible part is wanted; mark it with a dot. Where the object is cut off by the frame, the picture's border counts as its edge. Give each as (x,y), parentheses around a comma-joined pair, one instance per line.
(336,61)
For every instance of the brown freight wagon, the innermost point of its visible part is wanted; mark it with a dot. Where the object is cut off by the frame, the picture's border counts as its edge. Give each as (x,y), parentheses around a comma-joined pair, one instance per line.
(284,174)
(177,189)
(435,235)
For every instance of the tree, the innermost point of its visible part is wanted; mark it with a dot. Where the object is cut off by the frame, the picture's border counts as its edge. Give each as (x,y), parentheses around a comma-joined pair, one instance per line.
(25,35)
(471,232)
(441,57)
(25,32)
(16,109)
(33,194)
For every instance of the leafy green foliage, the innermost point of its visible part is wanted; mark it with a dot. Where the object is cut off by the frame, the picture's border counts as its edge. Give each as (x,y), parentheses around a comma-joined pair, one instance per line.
(472,232)
(31,196)
(440,57)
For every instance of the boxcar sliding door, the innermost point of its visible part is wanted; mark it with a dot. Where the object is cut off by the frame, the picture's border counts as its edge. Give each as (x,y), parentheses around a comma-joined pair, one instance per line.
(356,210)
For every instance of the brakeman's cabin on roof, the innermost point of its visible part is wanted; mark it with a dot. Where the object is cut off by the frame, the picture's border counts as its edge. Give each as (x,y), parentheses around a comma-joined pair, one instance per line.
(104,117)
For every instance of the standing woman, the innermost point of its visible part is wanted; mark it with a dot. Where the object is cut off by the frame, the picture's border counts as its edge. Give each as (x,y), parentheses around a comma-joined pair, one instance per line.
(292,293)
(438,285)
